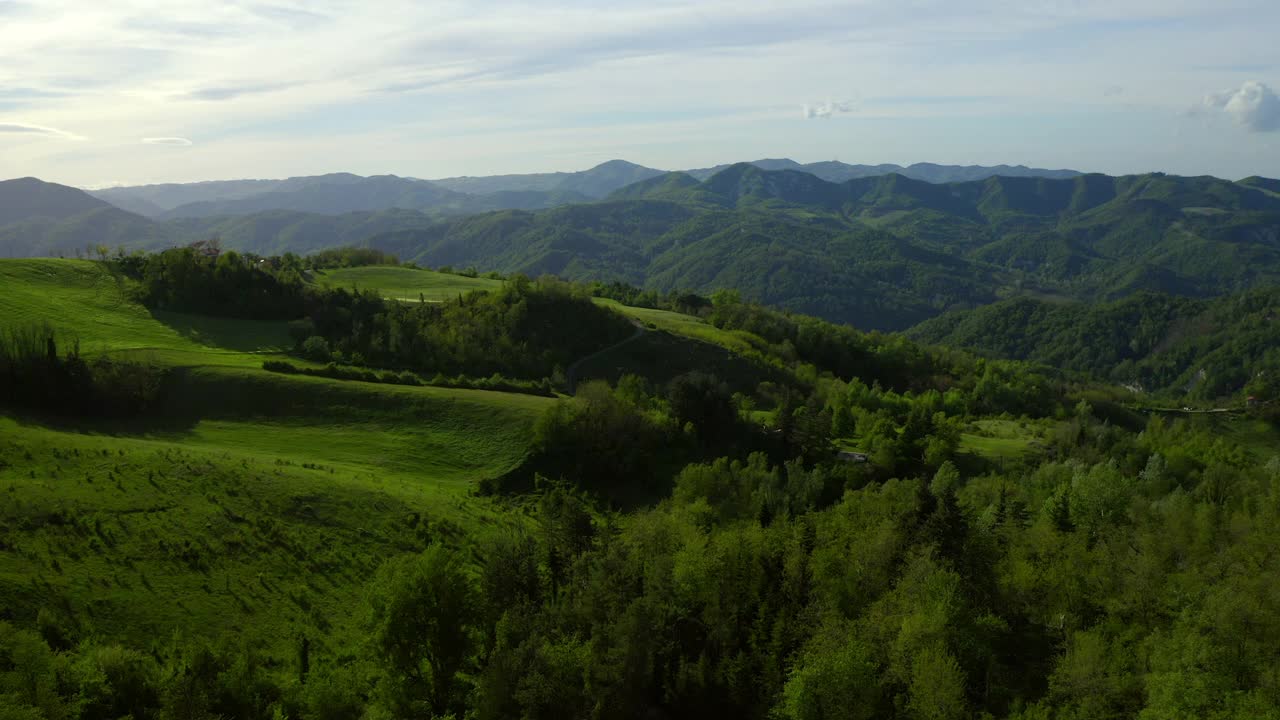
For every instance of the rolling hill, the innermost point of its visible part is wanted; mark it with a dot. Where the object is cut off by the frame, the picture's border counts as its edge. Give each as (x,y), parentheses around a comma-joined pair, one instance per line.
(253,542)
(882,252)
(1157,343)
(885,252)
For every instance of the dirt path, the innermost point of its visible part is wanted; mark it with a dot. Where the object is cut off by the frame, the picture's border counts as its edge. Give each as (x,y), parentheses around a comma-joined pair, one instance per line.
(571,374)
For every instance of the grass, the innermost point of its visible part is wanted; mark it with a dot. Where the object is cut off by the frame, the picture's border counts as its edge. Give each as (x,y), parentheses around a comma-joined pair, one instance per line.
(1000,439)
(140,537)
(254,503)
(405,283)
(688,326)
(82,299)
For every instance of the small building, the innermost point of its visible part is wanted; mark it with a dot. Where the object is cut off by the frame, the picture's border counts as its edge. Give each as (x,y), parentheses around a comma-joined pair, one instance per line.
(1251,401)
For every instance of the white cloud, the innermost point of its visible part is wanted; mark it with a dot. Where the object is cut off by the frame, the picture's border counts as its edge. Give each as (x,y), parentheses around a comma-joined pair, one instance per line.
(174,141)
(1254,106)
(29,129)
(295,74)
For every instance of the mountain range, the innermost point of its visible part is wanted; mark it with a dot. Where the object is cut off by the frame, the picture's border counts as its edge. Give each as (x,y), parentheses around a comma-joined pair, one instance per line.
(339,193)
(883,252)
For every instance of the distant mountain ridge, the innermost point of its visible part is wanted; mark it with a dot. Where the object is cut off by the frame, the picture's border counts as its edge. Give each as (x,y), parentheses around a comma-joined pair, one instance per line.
(883,252)
(835,171)
(25,199)
(339,193)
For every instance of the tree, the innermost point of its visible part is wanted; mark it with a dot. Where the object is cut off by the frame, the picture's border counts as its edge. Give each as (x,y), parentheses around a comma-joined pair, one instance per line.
(937,686)
(703,400)
(835,678)
(422,616)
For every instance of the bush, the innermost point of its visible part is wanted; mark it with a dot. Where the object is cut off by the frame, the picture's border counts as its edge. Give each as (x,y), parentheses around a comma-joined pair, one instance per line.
(316,348)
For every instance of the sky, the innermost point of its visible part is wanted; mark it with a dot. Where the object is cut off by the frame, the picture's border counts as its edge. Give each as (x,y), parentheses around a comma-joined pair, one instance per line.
(96,93)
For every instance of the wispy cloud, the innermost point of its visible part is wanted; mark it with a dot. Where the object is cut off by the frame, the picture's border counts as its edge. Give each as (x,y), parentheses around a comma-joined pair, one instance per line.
(172,141)
(230,92)
(42,130)
(1254,106)
(824,110)
(262,83)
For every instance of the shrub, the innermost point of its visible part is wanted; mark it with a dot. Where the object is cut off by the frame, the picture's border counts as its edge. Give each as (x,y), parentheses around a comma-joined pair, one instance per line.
(316,348)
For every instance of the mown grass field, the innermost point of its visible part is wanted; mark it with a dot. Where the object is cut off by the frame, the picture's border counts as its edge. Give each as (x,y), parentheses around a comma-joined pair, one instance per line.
(253,502)
(404,283)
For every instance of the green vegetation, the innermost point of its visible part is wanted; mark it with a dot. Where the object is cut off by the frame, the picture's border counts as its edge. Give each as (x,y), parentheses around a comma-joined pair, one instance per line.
(1208,350)
(884,252)
(343,538)
(86,300)
(404,283)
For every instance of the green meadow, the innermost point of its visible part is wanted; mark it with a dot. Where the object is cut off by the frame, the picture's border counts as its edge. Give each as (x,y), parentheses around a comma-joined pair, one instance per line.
(404,283)
(254,502)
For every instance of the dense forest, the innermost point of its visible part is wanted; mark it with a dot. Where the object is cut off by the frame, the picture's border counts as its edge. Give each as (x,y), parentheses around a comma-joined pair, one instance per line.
(828,543)
(1173,346)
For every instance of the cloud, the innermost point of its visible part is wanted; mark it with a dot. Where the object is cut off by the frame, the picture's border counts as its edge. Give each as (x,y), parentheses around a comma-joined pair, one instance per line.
(1254,106)
(29,129)
(171,141)
(822,111)
(230,92)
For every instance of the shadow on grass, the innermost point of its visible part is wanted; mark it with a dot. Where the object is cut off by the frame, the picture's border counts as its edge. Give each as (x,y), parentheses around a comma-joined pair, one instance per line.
(227,333)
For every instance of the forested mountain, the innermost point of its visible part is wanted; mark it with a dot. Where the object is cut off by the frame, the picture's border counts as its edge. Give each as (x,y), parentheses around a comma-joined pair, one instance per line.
(835,171)
(881,252)
(26,199)
(337,193)
(334,195)
(1149,341)
(890,251)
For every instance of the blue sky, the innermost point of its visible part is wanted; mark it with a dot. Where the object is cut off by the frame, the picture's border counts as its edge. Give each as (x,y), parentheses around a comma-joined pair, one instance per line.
(98,93)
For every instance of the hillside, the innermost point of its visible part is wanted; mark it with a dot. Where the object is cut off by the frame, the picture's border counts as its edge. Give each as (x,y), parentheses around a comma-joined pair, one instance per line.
(1205,349)
(882,252)
(218,513)
(594,183)
(249,529)
(907,250)
(32,199)
(835,171)
(325,194)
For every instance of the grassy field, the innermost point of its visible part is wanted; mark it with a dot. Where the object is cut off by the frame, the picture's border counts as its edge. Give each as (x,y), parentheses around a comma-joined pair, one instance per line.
(687,326)
(213,533)
(253,502)
(1001,439)
(83,300)
(403,283)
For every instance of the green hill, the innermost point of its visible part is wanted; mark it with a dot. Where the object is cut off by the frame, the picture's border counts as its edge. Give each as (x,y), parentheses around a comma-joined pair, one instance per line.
(886,252)
(761,515)
(404,283)
(1207,349)
(881,252)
